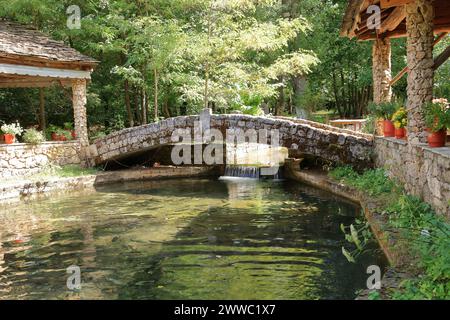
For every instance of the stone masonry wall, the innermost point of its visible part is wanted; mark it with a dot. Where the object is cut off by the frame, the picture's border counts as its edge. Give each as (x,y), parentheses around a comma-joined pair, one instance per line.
(424,172)
(419,24)
(25,159)
(334,146)
(381,55)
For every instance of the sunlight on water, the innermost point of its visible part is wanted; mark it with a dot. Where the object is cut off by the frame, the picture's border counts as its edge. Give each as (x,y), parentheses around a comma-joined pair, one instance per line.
(181,239)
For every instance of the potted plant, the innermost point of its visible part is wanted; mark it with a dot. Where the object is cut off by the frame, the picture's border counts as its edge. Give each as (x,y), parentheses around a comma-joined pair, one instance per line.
(69,127)
(59,134)
(437,120)
(385,111)
(10,131)
(400,120)
(33,136)
(2,138)
(52,132)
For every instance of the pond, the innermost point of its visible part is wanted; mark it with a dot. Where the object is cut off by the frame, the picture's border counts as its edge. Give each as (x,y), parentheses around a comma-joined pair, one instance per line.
(182,239)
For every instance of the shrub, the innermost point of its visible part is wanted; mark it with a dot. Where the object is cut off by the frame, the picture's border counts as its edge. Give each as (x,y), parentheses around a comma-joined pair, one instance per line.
(426,234)
(383,110)
(437,116)
(370,126)
(33,136)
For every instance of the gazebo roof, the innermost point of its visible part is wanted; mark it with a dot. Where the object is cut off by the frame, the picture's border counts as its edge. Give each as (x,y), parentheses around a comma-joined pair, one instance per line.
(29,58)
(20,41)
(393,19)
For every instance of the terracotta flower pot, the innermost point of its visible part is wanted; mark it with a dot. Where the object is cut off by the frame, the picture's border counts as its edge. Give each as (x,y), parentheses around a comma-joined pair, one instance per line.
(389,129)
(437,139)
(400,133)
(9,138)
(74,135)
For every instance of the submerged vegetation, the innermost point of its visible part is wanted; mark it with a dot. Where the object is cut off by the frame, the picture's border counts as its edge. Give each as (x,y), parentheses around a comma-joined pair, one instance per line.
(426,234)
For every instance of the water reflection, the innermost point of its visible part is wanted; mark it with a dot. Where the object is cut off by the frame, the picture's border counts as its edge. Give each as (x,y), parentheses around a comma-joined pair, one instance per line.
(181,239)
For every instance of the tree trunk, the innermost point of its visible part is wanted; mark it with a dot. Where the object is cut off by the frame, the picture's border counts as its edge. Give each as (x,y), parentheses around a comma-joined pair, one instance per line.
(128,104)
(183,108)
(280,103)
(144,105)
(156,94)
(137,106)
(336,95)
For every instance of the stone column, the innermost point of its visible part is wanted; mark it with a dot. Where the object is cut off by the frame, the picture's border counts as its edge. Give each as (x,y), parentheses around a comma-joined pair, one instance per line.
(419,24)
(382,76)
(79,109)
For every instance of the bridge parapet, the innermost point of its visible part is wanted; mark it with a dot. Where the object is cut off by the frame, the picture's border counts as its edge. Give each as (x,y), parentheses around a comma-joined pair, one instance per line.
(334,145)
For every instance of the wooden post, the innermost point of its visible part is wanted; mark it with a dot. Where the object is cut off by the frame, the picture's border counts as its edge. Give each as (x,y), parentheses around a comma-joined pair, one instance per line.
(419,24)
(381,59)
(79,109)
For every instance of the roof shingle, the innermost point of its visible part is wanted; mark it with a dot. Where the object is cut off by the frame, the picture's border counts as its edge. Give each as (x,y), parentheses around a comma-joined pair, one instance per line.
(21,40)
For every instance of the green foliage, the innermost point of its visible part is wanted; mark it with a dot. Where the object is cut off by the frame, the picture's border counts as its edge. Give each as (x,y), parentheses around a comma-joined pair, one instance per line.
(374,295)
(59,131)
(425,233)
(359,235)
(33,136)
(400,118)
(429,235)
(384,110)
(370,127)
(373,182)
(344,173)
(437,116)
(166,55)
(68,171)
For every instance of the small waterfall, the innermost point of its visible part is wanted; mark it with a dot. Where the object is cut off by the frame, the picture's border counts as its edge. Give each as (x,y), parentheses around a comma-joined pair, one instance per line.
(242,172)
(245,172)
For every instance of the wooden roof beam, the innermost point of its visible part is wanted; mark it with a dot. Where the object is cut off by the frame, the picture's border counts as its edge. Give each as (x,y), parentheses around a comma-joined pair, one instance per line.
(406,69)
(439,61)
(394,3)
(393,21)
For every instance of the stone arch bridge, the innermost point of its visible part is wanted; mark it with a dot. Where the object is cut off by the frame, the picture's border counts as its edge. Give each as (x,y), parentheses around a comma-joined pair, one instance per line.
(329,143)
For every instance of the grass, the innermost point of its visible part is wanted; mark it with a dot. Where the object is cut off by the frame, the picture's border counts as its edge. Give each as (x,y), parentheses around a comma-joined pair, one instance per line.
(426,234)
(323,116)
(52,172)
(68,171)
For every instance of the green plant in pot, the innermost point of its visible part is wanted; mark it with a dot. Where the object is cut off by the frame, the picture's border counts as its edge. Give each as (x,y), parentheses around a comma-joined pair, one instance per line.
(10,131)
(33,136)
(437,120)
(385,111)
(400,120)
(69,127)
(59,134)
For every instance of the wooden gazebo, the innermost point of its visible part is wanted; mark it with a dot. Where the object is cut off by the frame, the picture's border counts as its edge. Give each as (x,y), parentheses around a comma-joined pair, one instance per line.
(424,23)
(30,59)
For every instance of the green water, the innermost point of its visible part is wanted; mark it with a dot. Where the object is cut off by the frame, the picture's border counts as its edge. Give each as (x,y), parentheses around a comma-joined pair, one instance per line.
(181,239)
